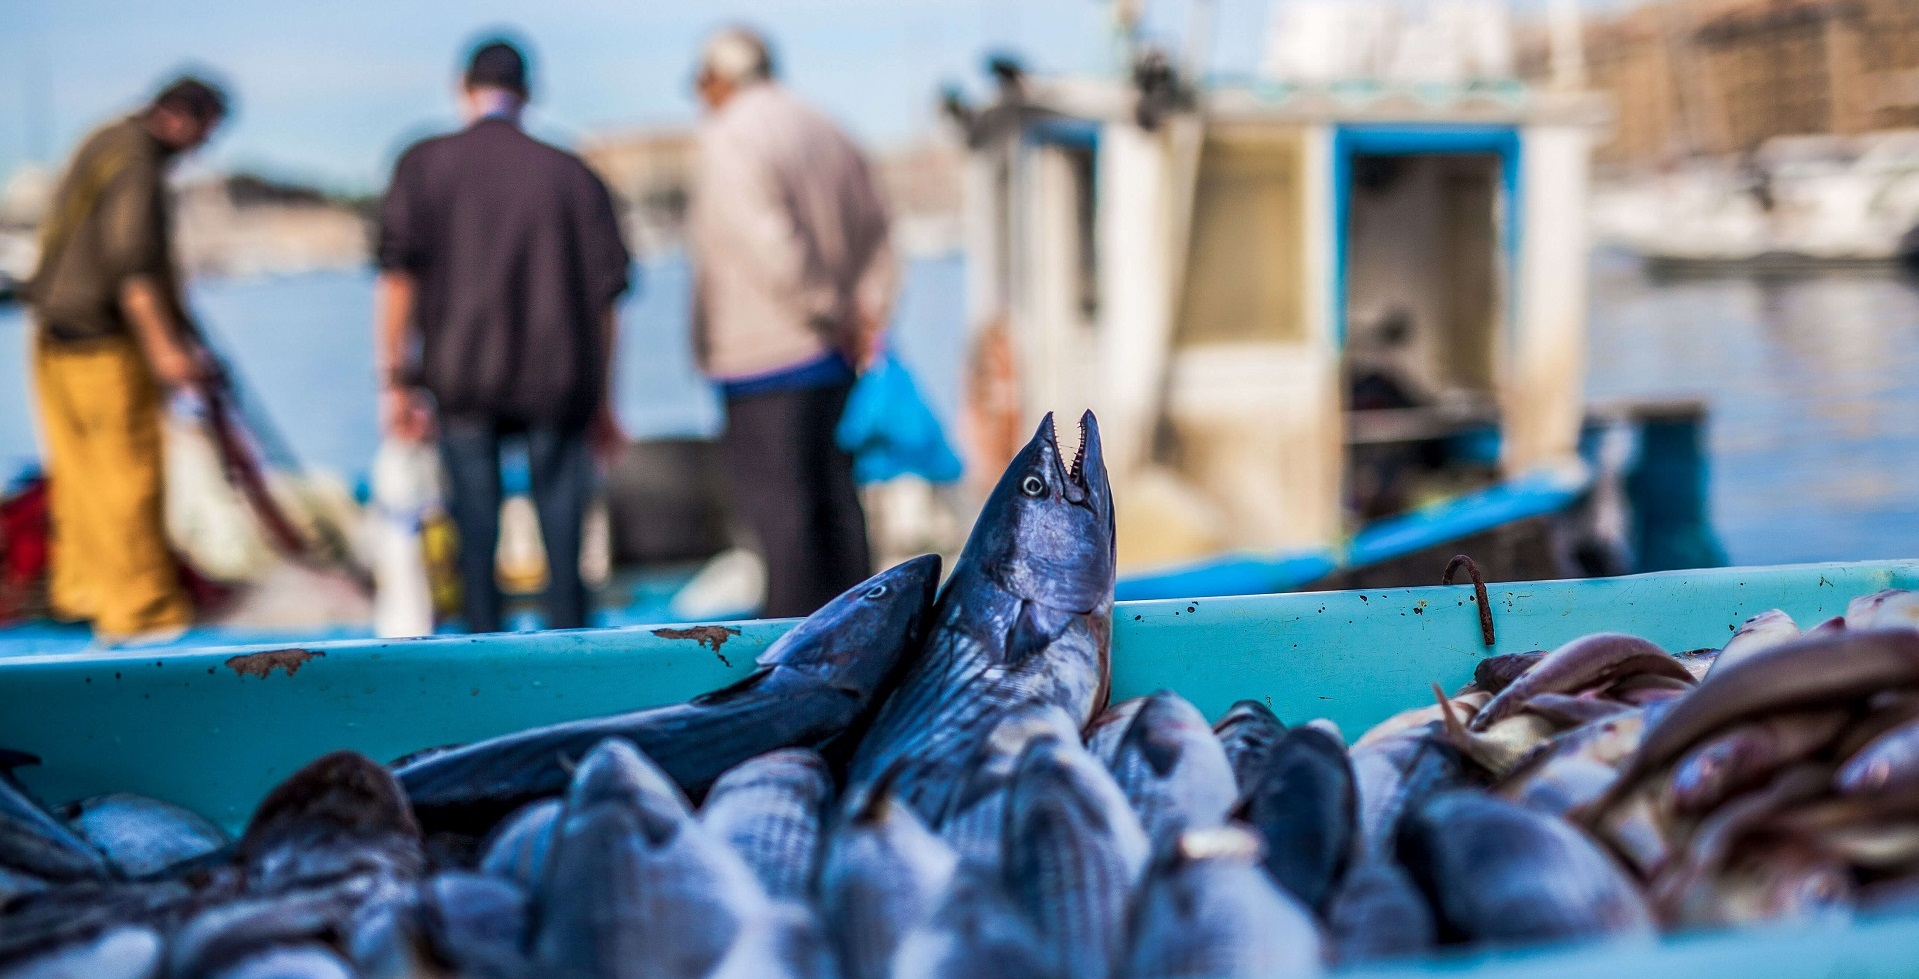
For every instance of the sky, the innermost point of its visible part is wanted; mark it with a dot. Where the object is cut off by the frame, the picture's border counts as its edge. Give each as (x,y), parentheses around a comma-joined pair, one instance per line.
(329,92)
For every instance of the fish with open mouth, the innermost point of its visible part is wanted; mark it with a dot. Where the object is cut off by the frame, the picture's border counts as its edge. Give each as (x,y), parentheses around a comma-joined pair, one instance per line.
(814,687)
(1024,619)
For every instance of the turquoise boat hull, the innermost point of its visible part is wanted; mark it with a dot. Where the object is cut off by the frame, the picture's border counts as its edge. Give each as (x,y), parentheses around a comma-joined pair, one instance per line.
(213,730)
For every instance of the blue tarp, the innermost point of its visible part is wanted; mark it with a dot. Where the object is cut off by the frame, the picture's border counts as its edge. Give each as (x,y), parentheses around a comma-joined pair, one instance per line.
(890,431)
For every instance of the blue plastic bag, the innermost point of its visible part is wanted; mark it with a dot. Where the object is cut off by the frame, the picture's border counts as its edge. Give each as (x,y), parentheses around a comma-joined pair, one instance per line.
(890,431)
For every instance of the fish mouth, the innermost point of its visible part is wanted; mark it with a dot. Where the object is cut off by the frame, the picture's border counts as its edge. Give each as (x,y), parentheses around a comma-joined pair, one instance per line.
(1074,478)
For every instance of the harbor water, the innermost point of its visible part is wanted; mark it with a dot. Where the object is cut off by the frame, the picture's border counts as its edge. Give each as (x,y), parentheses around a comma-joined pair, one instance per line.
(1812,382)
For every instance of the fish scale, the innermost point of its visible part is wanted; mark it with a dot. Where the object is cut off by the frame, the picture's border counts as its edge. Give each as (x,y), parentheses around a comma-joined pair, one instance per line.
(1074,853)
(768,810)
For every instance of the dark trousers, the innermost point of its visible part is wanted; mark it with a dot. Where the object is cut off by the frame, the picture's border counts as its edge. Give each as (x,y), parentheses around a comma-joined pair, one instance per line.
(561,464)
(795,488)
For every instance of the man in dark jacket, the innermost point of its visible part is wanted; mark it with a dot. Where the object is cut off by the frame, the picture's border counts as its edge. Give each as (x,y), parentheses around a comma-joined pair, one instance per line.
(500,267)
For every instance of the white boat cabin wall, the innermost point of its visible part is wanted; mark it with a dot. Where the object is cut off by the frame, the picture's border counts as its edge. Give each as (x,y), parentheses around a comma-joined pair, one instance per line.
(1227,284)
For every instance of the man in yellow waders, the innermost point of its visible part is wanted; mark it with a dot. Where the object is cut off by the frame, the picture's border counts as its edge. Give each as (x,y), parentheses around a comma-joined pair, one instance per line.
(112,338)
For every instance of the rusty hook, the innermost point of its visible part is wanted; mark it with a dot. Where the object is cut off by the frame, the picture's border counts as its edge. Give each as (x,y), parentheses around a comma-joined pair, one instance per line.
(1479,593)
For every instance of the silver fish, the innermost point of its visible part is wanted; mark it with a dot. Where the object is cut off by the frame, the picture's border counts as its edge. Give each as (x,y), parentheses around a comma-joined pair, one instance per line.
(974,821)
(1763,631)
(1207,910)
(1377,913)
(297,962)
(1893,608)
(1247,731)
(635,887)
(884,874)
(1393,774)
(977,933)
(1024,619)
(1102,736)
(1074,852)
(768,809)
(1748,754)
(518,849)
(1173,770)
(1497,872)
(785,942)
(1587,662)
(130,952)
(143,836)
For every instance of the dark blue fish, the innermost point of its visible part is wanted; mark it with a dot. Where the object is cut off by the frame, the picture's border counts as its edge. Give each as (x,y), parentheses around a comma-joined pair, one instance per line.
(814,686)
(1498,872)
(34,844)
(1025,620)
(1303,803)
(1247,732)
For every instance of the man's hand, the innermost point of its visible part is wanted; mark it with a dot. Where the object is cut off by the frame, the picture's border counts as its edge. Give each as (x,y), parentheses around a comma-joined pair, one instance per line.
(605,435)
(179,365)
(405,414)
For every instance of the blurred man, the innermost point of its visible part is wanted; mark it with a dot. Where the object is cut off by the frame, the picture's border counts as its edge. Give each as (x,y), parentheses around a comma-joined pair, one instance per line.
(114,336)
(794,281)
(500,267)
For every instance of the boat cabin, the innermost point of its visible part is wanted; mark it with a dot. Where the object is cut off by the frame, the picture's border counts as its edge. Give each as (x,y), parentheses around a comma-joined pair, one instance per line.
(1297,310)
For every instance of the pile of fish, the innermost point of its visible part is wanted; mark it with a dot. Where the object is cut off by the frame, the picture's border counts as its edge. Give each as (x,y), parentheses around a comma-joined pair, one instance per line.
(926,782)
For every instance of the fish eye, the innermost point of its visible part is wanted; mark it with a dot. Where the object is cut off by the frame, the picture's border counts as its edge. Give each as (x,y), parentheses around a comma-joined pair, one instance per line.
(1032,486)
(877,591)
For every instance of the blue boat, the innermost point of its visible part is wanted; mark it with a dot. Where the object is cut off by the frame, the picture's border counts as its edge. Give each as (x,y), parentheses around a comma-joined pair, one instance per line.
(213,729)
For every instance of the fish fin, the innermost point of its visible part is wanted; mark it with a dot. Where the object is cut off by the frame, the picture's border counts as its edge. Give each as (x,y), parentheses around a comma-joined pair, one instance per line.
(1455,728)
(1035,628)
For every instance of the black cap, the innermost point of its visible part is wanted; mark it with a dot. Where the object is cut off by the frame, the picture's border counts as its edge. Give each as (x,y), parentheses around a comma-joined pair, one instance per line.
(197,97)
(497,64)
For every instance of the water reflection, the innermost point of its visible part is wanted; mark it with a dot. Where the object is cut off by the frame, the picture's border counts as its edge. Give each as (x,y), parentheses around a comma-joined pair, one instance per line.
(1813,383)
(1814,389)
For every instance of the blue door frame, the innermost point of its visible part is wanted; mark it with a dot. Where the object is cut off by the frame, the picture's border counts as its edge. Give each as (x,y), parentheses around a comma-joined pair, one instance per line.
(1393,139)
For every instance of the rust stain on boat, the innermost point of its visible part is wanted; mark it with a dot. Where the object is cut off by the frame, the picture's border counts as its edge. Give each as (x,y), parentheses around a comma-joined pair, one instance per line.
(712,636)
(261,664)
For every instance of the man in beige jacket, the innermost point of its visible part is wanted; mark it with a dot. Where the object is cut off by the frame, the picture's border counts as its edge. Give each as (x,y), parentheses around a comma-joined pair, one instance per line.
(794,278)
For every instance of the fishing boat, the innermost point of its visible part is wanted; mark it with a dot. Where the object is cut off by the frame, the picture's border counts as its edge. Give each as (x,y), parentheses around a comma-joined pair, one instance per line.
(1333,320)
(213,730)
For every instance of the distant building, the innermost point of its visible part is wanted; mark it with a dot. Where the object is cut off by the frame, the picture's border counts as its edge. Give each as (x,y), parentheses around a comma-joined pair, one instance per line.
(242,224)
(1722,77)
